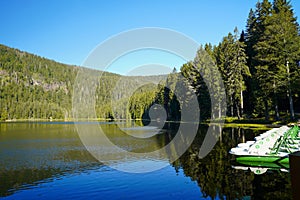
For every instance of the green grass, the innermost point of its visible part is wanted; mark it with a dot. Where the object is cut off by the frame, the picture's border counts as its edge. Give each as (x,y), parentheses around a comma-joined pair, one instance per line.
(254,123)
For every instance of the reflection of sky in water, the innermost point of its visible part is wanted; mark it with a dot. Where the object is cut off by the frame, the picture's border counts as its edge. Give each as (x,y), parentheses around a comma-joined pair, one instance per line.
(57,145)
(144,165)
(48,161)
(57,166)
(106,183)
(142,132)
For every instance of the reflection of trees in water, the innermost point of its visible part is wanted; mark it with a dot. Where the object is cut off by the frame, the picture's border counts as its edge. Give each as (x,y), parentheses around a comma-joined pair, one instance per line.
(272,186)
(68,162)
(216,177)
(12,180)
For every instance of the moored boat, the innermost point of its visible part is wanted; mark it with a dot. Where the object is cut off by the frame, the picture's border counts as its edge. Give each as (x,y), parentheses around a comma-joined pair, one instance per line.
(273,146)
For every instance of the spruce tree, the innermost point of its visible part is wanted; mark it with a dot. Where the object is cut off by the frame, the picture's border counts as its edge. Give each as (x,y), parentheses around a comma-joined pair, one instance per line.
(277,46)
(285,31)
(258,48)
(232,62)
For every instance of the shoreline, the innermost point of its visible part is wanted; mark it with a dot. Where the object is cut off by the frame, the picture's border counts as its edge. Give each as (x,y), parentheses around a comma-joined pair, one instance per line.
(241,123)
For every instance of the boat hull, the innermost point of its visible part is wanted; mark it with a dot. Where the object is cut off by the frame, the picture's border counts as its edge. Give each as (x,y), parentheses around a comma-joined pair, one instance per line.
(263,159)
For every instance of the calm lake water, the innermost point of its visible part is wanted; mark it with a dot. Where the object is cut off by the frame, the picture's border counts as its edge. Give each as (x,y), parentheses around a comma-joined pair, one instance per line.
(48,161)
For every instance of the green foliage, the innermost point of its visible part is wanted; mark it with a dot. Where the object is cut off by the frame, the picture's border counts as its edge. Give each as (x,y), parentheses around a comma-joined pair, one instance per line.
(33,87)
(141,101)
(37,88)
(273,42)
(232,63)
(260,70)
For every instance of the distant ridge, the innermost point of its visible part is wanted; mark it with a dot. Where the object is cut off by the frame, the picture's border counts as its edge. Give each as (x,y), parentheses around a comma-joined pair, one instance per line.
(33,87)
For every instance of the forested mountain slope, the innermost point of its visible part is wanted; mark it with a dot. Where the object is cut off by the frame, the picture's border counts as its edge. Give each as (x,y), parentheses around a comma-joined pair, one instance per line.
(32,87)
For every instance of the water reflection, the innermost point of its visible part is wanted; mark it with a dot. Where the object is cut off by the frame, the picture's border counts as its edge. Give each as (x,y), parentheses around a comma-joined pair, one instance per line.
(31,154)
(218,179)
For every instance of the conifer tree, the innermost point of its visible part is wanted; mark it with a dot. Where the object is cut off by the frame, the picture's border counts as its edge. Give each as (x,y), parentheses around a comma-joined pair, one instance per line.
(232,62)
(273,42)
(256,50)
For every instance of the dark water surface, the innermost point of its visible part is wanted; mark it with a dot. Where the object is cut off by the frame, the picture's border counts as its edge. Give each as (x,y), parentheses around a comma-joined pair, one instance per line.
(48,161)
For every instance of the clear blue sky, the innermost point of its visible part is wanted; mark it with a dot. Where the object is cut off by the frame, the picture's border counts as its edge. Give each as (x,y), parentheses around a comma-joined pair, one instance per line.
(67,30)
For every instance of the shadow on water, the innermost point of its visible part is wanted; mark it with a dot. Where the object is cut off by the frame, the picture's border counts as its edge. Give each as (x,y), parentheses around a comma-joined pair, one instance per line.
(216,176)
(32,154)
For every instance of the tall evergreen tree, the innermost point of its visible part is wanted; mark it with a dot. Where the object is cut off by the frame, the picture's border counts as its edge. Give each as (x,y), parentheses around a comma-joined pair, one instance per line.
(285,31)
(256,50)
(241,70)
(232,62)
(276,44)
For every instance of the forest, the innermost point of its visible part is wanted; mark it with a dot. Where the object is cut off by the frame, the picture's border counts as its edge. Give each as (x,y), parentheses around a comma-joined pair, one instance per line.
(260,68)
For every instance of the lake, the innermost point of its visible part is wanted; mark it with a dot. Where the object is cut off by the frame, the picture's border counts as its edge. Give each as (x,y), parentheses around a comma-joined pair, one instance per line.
(47,160)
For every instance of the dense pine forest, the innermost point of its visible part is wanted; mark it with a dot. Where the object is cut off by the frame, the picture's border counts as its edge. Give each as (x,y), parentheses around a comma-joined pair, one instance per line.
(260,68)
(37,88)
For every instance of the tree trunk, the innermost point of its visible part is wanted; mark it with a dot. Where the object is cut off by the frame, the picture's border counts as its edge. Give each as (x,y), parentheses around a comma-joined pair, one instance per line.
(242,104)
(276,108)
(267,117)
(231,106)
(292,112)
(220,110)
(238,111)
(220,132)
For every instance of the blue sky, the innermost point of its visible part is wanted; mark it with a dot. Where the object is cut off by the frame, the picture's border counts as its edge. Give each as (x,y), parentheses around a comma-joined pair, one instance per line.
(67,31)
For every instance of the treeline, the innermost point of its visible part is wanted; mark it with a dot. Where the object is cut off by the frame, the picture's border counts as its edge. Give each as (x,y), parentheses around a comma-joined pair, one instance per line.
(273,49)
(260,69)
(32,87)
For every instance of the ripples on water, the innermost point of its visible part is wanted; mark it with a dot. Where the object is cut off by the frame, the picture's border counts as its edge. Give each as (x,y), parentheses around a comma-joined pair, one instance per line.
(48,161)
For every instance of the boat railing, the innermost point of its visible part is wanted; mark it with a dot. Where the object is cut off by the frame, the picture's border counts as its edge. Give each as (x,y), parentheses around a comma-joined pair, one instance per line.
(287,141)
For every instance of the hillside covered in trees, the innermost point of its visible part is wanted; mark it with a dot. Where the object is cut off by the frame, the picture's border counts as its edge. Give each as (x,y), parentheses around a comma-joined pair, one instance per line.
(259,66)
(37,88)
(34,87)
